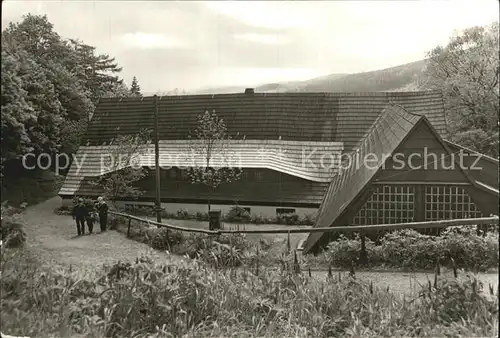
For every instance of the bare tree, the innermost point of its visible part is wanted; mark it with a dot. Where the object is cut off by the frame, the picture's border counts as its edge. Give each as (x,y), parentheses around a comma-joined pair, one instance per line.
(123,166)
(213,163)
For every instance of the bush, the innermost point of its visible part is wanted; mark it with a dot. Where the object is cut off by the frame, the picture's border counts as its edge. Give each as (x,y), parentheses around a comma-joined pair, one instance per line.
(63,210)
(165,239)
(237,215)
(461,247)
(468,250)
(408,248)
(345,252)
(13,234)
(201,216)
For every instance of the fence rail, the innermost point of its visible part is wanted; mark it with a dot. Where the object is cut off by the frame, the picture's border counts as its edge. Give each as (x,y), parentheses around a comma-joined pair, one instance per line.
(295,230)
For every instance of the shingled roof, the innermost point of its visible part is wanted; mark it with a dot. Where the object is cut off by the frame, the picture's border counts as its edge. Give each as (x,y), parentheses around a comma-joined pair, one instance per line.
(335,121)
(330,117)
(386,134)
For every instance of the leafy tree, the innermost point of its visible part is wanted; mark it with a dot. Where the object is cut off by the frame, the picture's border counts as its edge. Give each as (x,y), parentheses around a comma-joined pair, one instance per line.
(135,89)
(16,112)
(467,71)
(50,88)
(123,165)
(211,159)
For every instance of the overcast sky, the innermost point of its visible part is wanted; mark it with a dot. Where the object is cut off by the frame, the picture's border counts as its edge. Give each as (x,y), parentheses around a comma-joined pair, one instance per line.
(189,45)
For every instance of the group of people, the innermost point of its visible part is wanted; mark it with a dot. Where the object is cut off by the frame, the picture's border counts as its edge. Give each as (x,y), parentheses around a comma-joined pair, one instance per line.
(89,213)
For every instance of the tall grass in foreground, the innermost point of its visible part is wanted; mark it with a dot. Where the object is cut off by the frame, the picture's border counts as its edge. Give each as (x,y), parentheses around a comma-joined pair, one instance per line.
(194,300)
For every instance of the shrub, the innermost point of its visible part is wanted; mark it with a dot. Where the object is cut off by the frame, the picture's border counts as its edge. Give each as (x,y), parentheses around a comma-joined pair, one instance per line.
(201,216)
(13,234)
(165,239)
(468,249)
(408,248)
(345,251)
(308,220)
(411,249)
(237,215)
(63,210)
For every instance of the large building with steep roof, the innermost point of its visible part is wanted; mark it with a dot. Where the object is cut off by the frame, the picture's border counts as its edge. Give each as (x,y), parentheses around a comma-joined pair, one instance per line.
(290,145)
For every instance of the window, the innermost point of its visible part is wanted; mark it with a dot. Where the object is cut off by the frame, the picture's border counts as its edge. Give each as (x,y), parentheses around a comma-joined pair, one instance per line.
(281,211)
(449,202)
(258,176)
(387,205)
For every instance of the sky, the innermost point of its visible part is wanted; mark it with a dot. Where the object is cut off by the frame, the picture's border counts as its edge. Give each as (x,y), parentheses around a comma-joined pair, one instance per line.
(191,45)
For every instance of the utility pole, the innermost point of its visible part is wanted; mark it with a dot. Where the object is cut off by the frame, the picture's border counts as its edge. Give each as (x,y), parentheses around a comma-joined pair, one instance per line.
(158,208)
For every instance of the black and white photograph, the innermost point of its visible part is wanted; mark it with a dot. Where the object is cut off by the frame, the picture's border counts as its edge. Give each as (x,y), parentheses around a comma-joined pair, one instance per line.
(305,169)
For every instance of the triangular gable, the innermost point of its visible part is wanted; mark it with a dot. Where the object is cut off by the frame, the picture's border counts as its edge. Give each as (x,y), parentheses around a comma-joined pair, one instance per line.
(433,160)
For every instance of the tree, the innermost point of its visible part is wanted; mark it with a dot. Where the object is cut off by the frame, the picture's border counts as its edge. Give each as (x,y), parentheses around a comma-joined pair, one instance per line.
(467,71)
(96,70)
(50,87)
(16,112)
(123,167)
(135,89)
(213,165)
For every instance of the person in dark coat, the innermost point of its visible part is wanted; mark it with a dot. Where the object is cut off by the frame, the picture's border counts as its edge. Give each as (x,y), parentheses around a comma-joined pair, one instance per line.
(80,213)
(102,209)
(92,216)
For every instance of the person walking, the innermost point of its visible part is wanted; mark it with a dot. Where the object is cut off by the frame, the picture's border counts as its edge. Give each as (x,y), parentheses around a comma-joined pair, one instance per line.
(102,209)
(80,213)
(92,215)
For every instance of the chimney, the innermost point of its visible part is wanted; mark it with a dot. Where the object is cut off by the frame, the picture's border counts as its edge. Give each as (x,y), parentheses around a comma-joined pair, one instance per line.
(249,91)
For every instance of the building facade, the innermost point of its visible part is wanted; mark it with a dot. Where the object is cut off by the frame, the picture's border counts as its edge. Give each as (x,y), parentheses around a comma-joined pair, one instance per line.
(290,146)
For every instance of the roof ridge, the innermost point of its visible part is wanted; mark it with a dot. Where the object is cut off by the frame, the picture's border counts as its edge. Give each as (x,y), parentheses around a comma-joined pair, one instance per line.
(319,93)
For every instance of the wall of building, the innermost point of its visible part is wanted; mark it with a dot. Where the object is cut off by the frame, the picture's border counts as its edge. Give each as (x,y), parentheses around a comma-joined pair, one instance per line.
(264,211)
(256,187)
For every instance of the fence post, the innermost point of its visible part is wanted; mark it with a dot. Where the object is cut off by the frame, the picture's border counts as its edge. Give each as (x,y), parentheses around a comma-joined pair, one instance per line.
(128,229)
(363,257)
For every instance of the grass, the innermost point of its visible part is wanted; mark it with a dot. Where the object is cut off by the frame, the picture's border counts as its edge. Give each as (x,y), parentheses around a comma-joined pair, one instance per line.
(144,299)
(167,297)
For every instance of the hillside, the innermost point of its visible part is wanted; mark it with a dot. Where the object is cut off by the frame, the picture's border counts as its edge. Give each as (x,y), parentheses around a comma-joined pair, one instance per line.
(399,78)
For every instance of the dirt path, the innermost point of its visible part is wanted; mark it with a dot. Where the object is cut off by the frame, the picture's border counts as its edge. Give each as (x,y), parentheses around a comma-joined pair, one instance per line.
(53,238)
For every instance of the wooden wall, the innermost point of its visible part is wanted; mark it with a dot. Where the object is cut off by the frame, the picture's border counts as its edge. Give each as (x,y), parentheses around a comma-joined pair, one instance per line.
(257,186)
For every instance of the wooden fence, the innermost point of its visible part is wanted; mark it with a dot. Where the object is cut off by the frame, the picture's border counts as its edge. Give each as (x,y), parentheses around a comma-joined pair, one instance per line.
(295,230)
(362,229)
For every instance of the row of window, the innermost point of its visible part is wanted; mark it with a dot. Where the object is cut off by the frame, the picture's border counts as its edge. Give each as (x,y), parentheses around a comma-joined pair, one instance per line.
(396,204)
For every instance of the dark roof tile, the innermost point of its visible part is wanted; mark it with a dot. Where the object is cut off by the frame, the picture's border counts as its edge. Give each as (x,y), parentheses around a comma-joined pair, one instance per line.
(341,117)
